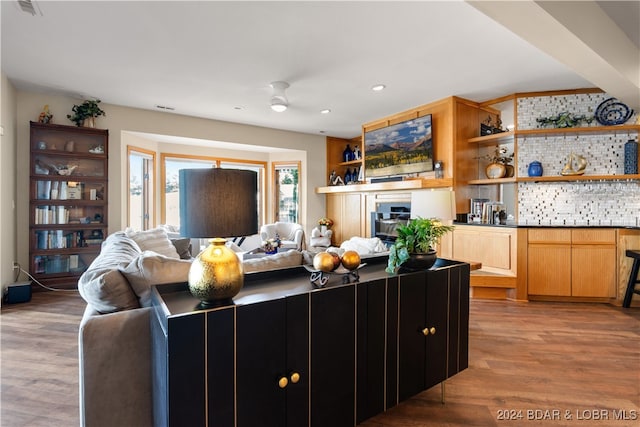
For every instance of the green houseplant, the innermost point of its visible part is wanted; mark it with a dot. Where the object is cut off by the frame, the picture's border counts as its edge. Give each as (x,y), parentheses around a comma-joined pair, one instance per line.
(85,113)
(415,242)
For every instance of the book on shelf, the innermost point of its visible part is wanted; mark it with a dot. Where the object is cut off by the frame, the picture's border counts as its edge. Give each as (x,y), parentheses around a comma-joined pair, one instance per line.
(51,215)
(54,190)
(43,190)
(63,190)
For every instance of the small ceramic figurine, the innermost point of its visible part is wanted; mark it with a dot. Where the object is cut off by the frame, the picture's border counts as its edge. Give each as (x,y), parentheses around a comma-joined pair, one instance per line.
(356,153)
(580,163)
(334,179)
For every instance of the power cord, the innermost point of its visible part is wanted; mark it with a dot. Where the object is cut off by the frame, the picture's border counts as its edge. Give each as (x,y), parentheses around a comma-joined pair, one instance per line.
(21,270)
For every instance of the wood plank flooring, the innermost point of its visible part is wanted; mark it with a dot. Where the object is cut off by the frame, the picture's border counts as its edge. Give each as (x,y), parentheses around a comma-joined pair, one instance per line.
(582,360)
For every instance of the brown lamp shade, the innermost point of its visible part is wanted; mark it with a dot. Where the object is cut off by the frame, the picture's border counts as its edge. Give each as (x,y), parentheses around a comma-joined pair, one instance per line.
(218,202)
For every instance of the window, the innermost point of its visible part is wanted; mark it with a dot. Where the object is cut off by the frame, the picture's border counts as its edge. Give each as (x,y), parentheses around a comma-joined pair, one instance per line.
(287,191)
(171,164)
(141,164)
(260,169)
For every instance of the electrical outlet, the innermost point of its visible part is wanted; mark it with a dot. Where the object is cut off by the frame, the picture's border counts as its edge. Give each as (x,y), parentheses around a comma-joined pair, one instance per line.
(15,266)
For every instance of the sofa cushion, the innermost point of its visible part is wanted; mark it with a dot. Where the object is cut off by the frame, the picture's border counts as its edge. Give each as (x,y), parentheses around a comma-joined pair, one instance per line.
(151,268)
(102,285)
(183,247)
(272,262)
(155,240)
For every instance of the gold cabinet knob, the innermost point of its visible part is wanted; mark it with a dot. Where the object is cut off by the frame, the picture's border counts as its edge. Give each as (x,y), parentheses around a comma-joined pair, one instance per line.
(425,331)
(432,330)
(283,382)
(295,377)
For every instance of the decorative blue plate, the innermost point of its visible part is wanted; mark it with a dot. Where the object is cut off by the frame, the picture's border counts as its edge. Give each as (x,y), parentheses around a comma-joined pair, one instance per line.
(612,112)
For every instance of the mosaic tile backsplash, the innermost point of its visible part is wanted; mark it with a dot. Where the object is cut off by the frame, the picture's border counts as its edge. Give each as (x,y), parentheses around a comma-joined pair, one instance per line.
(604,203)
(582,203)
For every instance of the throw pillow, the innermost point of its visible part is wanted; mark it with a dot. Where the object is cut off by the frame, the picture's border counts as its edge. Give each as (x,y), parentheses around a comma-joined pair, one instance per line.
(155,240)
(151,268)
(102,285)
(183,247)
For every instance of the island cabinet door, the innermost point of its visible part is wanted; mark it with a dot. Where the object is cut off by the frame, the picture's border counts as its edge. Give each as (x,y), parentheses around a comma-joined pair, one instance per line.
(423,331)
(436,327)
(371,349)
(411,340)
(458,347)
(333,357)
(272,344)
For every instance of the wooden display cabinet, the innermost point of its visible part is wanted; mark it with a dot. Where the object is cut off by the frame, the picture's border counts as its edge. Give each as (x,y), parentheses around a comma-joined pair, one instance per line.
(67,200)
(335,156)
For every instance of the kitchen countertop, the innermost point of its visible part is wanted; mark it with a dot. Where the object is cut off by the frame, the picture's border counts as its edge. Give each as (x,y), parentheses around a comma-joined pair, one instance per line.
(577,225)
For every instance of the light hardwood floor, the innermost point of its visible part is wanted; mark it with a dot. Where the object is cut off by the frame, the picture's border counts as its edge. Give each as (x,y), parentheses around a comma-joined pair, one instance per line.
(582,360)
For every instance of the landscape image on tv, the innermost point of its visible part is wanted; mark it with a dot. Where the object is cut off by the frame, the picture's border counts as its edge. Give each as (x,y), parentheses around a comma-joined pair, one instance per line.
(400,149)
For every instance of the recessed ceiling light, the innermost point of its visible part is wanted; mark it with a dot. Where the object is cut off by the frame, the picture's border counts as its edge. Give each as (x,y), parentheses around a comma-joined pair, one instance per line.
(325,111)
(237,108)
(378,88)
(321,131)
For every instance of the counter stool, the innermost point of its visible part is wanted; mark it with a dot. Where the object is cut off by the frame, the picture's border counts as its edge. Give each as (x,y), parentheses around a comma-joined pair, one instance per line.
(633,278)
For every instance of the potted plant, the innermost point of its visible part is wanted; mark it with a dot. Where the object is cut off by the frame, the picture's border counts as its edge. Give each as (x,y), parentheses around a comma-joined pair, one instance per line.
(85,113)
(414,246)
(270,246)
(324,224)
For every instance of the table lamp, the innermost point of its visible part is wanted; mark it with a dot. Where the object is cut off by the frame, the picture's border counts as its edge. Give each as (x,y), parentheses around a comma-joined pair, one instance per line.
(217,203)
(434,204)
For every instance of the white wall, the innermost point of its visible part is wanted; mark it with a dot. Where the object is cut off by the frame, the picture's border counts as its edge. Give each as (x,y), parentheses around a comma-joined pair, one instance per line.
(7,182)
(311,152)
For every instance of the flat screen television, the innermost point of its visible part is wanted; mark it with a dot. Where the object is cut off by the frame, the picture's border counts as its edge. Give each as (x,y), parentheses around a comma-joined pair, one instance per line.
(401,149)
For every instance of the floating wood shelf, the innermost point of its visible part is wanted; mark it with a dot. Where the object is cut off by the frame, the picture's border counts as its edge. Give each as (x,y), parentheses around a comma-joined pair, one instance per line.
(492,181)
(407,184)
(504,136)
(561,178)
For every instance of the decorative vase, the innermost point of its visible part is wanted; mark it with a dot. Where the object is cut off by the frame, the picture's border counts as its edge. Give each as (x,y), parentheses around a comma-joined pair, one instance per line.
(347,176)
(510,171)
(422,261)
(216,273)
(495,170)
(347,154)
(631,157)
(535,168)
(271,251)
(89,122)
(323,230)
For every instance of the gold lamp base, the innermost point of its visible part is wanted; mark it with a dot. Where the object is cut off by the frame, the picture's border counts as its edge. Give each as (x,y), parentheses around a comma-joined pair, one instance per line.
(216,274)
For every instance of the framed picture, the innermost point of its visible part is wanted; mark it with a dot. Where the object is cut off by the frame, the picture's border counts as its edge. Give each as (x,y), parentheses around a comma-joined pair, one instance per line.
(401,149)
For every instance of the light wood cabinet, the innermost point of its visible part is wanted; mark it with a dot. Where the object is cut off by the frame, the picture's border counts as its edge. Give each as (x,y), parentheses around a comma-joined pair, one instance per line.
(593,263)
(346,210)
(572,262)
(335,156)
(549,262)
(491,246)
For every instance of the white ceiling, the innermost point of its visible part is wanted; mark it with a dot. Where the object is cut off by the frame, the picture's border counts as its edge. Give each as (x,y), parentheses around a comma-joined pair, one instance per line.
(216,59)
